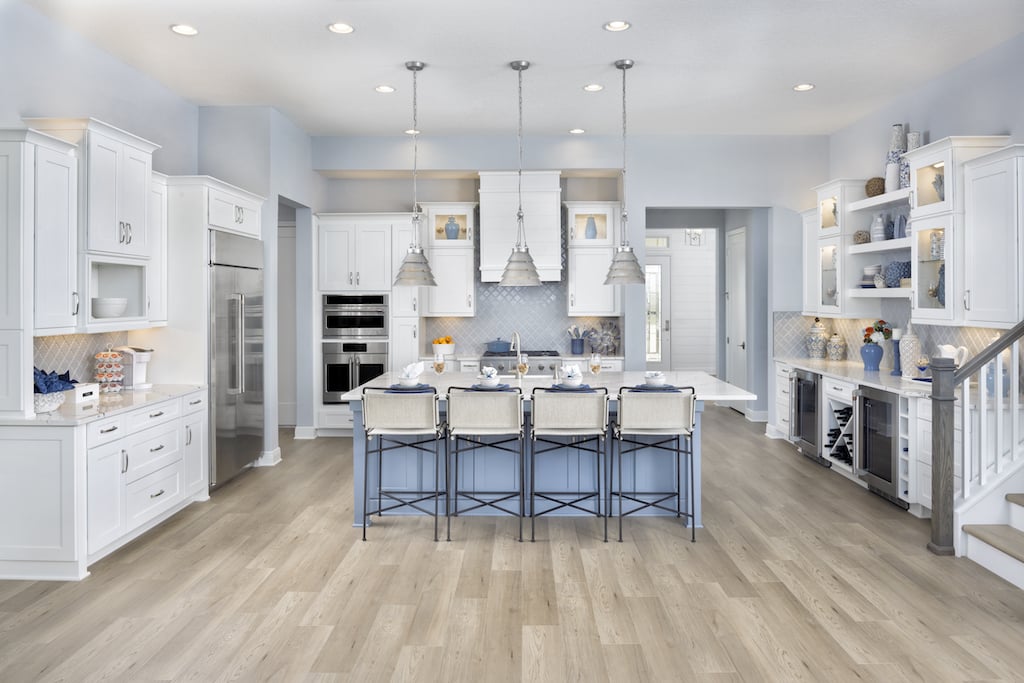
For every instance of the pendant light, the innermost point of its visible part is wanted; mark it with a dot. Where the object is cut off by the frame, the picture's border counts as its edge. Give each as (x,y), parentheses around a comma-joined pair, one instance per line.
(415,270)
(520,271)
(625,269)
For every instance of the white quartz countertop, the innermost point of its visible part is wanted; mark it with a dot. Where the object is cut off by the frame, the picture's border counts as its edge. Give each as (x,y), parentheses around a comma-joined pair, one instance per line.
(707,388)
(71,414)
(853,371)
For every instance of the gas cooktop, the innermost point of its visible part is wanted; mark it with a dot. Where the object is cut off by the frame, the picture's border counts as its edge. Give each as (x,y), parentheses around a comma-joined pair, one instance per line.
(513,354)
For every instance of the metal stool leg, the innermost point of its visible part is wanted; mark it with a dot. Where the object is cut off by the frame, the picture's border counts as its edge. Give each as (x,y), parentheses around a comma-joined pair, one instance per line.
(533,487)
(522,484)
(437,484)
(447,490)
(620,490)
(366,476)
(693,503)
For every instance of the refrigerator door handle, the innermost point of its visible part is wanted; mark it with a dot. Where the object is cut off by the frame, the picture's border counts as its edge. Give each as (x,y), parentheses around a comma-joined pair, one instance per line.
(235,388)
(241,343)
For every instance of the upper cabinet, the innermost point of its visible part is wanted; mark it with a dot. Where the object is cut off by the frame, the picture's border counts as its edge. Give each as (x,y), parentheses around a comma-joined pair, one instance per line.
(234,211)
(499,204)
(114,185)
(592,224)
(156,272)
(354,252)
(449,238)
(592,228)
(993,287)
(936,174)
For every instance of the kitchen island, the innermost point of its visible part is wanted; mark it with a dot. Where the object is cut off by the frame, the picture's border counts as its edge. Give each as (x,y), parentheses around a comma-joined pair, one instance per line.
(561,471)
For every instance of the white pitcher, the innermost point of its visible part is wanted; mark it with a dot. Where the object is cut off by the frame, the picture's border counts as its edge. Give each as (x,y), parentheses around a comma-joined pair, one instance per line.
(957,353)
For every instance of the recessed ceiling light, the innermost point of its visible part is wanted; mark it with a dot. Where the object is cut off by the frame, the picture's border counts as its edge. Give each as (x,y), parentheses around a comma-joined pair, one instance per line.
(617,25)
(803,87)
(593,87)
(339,27)
(384,88)
(412,131)
(577,131)
(185,30)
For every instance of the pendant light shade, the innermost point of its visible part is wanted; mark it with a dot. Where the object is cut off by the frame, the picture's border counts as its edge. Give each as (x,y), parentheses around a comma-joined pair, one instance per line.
(415,270)
(520,270)
(625,269)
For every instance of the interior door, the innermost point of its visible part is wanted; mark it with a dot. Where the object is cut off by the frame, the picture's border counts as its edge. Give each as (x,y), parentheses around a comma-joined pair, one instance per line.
(736,311)
(658,321)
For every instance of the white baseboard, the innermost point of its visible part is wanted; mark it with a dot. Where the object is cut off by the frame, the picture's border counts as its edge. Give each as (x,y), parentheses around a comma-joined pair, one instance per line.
(305,433)
(756,415)
(773,432)
(268,458)
(996,561)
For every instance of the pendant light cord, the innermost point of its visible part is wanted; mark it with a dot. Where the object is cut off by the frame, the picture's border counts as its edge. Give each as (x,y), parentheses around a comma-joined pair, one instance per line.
(415,162)
(625,216)
(520,232)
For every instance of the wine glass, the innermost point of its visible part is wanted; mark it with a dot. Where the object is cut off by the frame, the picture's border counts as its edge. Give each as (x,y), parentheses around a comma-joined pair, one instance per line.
(523,365)
(595,363)
(922,364)
(438,363)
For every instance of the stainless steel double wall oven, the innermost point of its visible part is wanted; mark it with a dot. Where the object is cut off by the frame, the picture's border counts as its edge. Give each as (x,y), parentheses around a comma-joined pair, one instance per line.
(355,341)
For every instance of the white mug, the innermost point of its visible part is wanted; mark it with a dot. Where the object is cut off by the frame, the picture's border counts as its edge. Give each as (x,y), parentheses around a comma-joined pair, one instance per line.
(957,353)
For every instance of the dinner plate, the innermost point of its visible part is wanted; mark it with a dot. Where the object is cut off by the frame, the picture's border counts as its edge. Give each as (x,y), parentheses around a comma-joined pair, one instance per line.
(414,389)
(496,387)
(566,387)
(651,387)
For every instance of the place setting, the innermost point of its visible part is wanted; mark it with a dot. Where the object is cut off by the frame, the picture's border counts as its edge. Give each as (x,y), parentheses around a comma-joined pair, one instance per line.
(654,380)
(572,379)
(409,380)
(489,381)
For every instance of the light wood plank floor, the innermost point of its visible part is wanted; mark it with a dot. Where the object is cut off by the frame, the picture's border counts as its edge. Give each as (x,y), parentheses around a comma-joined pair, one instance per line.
(798,575)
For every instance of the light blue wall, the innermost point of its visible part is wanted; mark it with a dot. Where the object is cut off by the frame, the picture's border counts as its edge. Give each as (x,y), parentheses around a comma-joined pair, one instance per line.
(52,72)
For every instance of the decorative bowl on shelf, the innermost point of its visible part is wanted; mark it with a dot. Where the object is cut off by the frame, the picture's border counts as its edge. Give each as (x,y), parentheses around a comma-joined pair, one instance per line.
(108,307)
(409,381)
(45,403)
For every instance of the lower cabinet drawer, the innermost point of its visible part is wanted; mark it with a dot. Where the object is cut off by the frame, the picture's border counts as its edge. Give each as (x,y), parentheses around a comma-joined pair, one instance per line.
(834,388)
(336,419)
(152,494)
(152,449)
(782,417)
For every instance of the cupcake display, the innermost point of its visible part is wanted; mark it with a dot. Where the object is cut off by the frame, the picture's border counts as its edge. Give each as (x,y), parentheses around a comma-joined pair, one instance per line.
(109,373)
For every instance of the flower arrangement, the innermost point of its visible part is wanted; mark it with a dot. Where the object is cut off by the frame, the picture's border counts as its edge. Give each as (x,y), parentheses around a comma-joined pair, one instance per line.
(877,332)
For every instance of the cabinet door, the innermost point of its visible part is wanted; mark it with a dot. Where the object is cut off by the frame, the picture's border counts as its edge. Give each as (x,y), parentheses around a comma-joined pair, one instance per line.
(373,251)
(992,276)
(405,342)
(830,278)
(156,273)
(336,259)
(933,274)
(405,301)
(448,225)
(57,300)
(106,494)
(592,223)
(588,294)
(104,229)
(235,214)
(455,291)
(194,453)
(135,181)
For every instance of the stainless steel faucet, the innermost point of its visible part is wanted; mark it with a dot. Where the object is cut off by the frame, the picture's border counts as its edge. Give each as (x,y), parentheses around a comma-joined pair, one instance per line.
(516,346)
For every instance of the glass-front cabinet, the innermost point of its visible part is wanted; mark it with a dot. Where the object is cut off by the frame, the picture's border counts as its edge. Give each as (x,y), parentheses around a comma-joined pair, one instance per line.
(933,239)
(592,224)
(936,172)
(448,225)
(833,199)
(830,269)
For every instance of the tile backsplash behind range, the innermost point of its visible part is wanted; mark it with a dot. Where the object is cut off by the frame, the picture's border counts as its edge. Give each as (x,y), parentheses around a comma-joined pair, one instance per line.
(74,352)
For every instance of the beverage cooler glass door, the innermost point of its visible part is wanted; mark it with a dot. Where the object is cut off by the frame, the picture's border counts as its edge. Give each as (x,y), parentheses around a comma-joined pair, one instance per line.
(878,442)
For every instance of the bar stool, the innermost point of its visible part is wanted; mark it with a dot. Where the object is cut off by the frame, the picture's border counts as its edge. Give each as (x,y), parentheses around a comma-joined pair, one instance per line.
(485,419)
(568,419)
(666,421)
(394,418)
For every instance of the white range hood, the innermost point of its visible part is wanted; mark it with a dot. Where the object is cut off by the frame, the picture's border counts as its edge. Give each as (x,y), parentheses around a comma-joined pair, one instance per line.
(499,201)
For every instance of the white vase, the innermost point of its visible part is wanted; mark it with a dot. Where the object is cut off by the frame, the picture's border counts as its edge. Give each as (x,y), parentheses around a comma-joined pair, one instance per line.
(892,176)
(910,350)
(878,228)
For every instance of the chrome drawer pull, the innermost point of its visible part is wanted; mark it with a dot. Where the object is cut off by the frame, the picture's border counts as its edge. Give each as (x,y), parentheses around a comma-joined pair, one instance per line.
(157,414)
(195,402)
(158,448)
(108,430)
(157,494)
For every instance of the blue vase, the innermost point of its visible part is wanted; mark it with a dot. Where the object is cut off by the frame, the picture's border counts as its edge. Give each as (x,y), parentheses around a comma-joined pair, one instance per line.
(871,354)
(896,369)
(577,346)
(451,229)
(591,230)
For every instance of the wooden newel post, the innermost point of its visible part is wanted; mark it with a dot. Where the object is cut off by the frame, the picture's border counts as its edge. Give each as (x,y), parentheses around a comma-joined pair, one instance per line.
(942,456)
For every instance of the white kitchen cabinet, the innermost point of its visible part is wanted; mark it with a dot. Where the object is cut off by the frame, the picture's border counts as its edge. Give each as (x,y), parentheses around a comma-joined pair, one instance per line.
(812,275)
(838,426)
(592,224)
(110,277)
(994,239)
(195,444)
(405,342)
(783,408)
(57,302)
(405,301)
(449,236)
(156,269)
(933,238)
(499,202)
(354,252)
(455,293)
(114,184)
(833,199)
(829,262)
(936,172)
(105,494)
(588,295)
(234,210)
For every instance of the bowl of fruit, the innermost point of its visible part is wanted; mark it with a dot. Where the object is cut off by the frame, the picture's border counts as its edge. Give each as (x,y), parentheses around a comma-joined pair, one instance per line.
(444,345)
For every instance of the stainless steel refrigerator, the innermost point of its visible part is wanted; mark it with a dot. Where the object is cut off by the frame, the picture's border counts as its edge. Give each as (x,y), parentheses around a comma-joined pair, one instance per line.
(236,354)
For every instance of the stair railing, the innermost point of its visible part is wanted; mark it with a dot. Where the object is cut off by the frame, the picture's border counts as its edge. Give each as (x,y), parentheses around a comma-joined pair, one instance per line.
(992,424)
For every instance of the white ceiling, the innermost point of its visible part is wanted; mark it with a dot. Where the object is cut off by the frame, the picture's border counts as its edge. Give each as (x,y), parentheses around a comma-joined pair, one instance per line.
(702,66)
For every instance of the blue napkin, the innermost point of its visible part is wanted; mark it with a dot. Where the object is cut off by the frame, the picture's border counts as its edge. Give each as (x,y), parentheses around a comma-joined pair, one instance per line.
(496,387)
(563,387)
(50,382)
